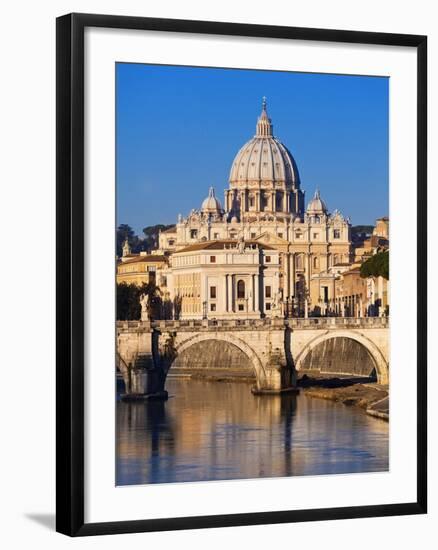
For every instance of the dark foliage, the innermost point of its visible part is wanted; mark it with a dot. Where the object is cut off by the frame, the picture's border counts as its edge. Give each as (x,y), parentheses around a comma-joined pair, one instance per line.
(137,244)
(151,235)
(361,232)
(377,265)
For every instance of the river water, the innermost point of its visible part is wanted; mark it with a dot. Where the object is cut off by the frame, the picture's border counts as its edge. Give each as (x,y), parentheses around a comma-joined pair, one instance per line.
(219,430)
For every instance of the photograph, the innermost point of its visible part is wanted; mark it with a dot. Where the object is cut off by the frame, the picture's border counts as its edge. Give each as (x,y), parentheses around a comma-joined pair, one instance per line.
(252,252)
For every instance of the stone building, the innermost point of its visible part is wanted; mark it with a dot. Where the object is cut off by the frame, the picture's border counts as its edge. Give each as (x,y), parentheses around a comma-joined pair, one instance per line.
(264,202)
(226,279)
(140,268)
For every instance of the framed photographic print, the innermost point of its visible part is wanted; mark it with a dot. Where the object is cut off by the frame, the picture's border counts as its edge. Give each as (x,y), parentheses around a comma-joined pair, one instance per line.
(241,274)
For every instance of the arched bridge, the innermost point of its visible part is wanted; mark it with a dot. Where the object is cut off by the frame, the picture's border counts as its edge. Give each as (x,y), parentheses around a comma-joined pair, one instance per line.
(271,350)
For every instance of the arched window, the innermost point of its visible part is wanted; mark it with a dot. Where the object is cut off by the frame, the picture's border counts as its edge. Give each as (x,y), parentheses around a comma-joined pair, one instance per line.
(240,289)
(316,262)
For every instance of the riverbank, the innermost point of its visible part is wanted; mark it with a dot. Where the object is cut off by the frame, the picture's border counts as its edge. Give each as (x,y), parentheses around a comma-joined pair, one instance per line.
(373,398)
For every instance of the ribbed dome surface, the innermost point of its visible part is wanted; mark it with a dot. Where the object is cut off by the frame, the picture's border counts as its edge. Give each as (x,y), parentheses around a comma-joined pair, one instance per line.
(264,158)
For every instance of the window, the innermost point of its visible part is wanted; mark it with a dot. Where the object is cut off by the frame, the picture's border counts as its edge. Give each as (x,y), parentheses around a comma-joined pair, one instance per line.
(213,292)
(315,235)
(316,262)
(216,236)
(268,306)
(251,201)
(240,307)
(268,259)
(299,261)
(298,235)
(253,235)
(336,233)
(241,289)
(193,233)
(212,259)
(170,242)
(280,235)
(233,235)
(267,291)
(212,307)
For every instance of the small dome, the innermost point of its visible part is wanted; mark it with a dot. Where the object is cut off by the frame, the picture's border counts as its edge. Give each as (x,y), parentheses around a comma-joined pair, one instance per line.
(211,203)
(316,205)
(264,158)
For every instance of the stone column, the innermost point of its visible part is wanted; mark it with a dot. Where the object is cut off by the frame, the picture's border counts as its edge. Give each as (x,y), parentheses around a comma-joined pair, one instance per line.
(286,201)
(225,294)
(253,291)
(257,293)
(292,282)
(230,294)
(286,276)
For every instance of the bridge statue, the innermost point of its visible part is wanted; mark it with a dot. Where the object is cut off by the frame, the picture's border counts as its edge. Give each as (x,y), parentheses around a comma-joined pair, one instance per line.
(144,302)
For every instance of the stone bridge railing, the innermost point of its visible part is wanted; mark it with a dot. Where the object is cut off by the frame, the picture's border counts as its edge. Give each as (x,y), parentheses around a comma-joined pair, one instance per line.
(239,324)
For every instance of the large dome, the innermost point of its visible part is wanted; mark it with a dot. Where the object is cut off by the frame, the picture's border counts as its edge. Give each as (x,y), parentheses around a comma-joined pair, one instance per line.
(264,158)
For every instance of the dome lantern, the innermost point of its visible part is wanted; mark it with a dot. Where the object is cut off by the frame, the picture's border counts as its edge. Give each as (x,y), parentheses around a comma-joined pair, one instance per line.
(264,123)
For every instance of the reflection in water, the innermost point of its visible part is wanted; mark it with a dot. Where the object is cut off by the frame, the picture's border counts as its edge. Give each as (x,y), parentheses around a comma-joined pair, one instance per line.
(213,431)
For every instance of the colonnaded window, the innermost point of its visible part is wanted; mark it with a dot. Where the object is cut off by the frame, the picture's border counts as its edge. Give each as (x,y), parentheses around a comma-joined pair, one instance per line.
(241,289)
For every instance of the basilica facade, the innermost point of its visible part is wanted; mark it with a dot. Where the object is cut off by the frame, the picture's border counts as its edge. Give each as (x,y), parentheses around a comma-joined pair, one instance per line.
(263,216)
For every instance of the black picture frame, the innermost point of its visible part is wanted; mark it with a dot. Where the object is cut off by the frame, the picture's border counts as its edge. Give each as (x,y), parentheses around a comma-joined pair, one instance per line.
(70,273)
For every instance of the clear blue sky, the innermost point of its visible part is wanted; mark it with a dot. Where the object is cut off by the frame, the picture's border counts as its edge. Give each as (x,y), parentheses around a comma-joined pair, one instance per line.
(179,128)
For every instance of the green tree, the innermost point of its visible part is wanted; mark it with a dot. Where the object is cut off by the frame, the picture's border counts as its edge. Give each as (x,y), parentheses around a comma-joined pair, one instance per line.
(377,265)
(151,235)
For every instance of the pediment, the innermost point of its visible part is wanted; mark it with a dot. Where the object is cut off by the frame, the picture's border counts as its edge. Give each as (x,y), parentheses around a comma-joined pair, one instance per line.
(269,238)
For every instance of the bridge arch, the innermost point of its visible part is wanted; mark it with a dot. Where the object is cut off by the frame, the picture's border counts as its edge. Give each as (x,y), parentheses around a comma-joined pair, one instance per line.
(380,362)
(230,339)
